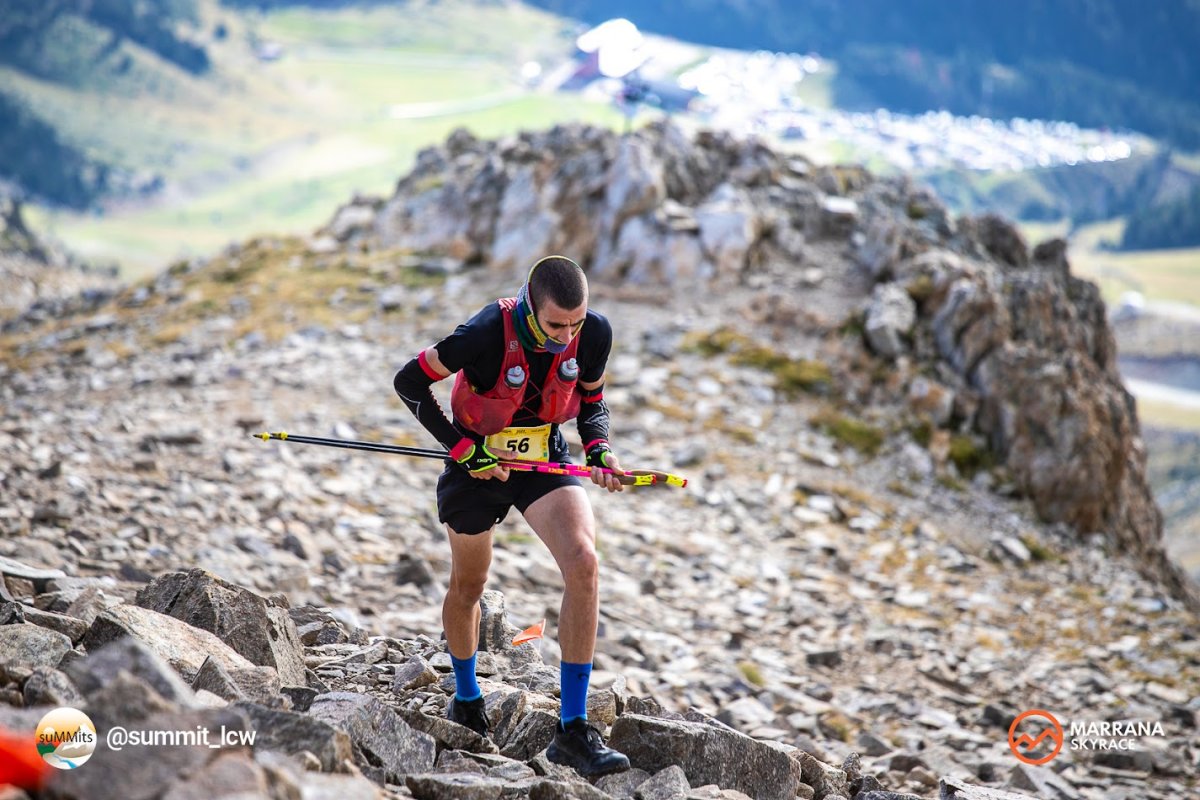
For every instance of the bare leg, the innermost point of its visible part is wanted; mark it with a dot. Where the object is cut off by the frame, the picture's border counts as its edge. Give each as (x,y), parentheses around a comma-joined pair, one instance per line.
(470,559)
(563,521)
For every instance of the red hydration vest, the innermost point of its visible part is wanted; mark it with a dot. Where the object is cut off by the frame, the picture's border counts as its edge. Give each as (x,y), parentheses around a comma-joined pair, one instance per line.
(490,412)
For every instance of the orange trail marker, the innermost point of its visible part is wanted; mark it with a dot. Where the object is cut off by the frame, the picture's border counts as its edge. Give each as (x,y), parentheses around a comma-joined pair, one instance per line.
(529,634)
(20,763)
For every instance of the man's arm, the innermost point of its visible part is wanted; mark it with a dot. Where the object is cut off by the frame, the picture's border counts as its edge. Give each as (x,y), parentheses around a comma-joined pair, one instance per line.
(593,414)
(413,383)
(593,431)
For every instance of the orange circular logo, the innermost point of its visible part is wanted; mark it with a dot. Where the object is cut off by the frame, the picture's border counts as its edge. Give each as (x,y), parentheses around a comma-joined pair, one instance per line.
(1025,744)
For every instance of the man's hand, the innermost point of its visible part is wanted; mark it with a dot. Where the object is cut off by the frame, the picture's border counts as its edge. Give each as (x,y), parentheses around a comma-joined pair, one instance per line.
(601,457)
(481,463)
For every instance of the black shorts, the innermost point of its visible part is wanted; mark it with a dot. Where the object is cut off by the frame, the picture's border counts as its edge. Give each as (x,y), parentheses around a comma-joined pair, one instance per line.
(470,505)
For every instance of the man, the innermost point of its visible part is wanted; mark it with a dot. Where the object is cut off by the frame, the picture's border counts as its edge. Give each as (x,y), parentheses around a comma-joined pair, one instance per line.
(525,365)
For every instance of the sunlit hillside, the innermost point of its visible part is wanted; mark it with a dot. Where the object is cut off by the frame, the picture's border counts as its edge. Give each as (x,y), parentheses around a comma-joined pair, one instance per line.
(302,108)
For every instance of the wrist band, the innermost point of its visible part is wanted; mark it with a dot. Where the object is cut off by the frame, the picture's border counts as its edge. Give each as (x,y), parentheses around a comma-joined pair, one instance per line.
(462,448)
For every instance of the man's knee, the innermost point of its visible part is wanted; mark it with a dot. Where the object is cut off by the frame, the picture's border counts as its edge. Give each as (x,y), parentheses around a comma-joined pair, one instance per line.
(467,588)
(580,566)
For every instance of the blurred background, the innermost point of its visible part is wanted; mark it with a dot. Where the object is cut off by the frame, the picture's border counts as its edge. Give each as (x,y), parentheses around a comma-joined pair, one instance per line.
(136,134)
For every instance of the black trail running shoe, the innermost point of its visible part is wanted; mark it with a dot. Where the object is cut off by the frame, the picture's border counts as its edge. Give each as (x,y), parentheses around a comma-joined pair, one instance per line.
(579,746)
(470,713)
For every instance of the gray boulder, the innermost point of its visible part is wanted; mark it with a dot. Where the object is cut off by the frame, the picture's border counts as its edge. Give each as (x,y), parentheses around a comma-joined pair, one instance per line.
(26,647)
(954,789)
(70,627)
(50,687)
(229,776)
(1042,781)
(496,633)
(133,656)
(826,780)
(669,784)
(707,754)
(382,740)
(890,319)
(183,647)
(413,674)
(448,735)
(126,699)
(623,784)
(252,625)
(293,734)
(257,684)
(455,786)
(730,227)
(565,790)
(531,735)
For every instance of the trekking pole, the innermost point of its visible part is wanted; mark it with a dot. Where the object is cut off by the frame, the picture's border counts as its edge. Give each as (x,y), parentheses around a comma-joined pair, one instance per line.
(631,477)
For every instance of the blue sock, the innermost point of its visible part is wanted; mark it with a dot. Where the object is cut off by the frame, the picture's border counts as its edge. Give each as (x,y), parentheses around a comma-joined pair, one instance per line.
(465,685)
(574,680)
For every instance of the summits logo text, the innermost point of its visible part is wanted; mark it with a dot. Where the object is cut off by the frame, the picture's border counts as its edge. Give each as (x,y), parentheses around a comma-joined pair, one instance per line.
(66,738)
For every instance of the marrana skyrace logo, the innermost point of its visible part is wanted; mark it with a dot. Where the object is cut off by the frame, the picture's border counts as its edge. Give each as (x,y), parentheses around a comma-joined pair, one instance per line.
(66,738)
(1036,736)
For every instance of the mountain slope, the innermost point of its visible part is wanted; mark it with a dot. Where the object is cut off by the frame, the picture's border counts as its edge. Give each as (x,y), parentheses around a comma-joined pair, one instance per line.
(853,567)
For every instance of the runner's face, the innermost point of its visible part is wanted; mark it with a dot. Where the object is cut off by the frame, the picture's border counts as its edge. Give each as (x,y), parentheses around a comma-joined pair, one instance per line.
(559,323)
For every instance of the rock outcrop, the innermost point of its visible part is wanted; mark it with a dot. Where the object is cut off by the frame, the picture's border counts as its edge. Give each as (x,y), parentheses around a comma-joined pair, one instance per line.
(38,277)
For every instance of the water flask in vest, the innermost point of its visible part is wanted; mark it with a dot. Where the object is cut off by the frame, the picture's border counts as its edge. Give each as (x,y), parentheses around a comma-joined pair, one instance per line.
(568,370)
(515,376)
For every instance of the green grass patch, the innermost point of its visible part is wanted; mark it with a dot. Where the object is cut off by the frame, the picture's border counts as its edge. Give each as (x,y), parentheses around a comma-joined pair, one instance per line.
(793,376)
(297,190)
(271,287)
(456,27)
(1166,275)
(1038,551)
(970,456)
(836,725)
(921,288)
(1159,414)
(851,432)
(921,432)
(952,483)
(751,672)
(1036,232)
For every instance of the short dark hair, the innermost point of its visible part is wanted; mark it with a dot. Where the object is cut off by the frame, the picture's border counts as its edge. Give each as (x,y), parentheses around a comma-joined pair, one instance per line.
(560,280)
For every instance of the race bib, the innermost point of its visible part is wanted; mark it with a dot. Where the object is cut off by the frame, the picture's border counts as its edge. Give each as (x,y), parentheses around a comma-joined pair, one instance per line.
(530,444)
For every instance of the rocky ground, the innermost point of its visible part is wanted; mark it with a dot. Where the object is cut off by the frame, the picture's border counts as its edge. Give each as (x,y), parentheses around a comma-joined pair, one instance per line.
(851,597)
